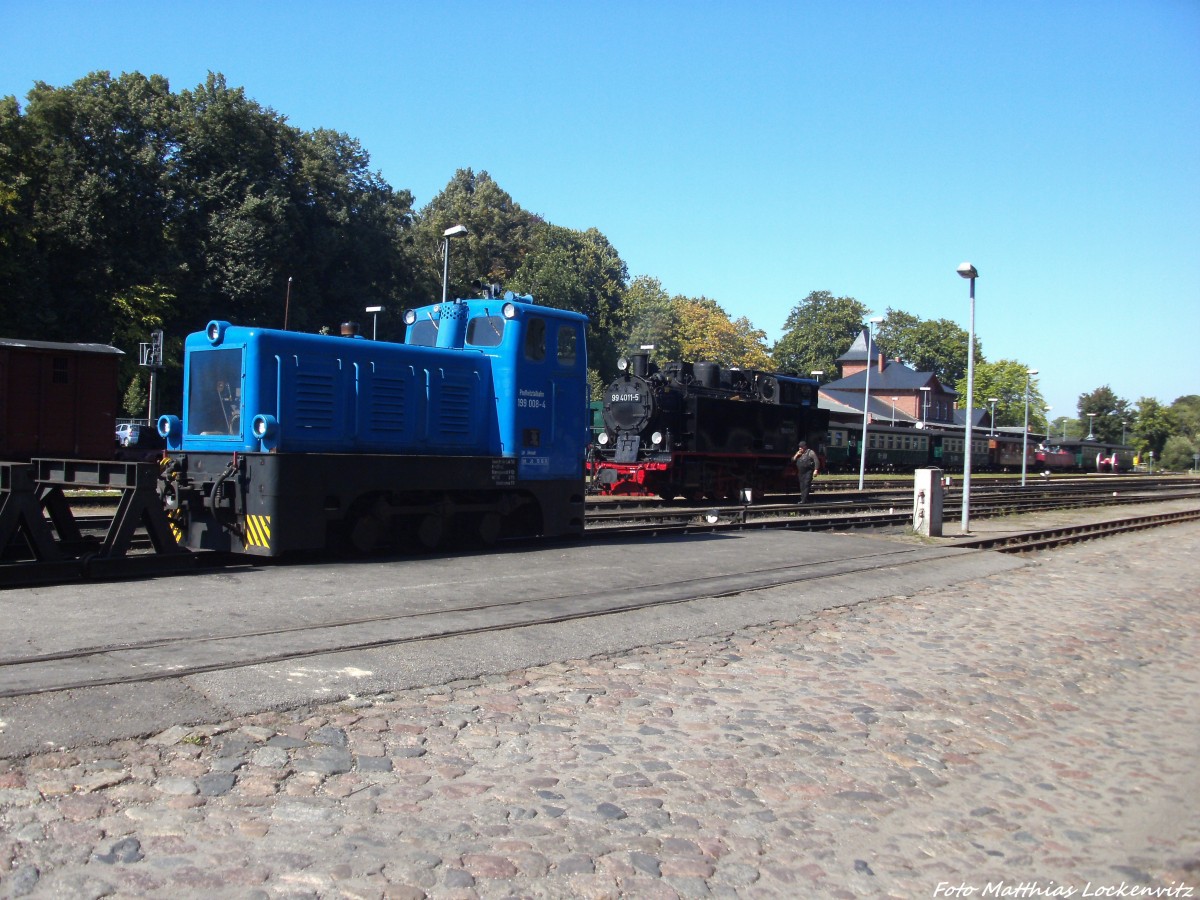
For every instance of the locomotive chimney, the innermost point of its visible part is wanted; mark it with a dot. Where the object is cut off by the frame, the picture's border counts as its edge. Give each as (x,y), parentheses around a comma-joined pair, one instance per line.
(639,363)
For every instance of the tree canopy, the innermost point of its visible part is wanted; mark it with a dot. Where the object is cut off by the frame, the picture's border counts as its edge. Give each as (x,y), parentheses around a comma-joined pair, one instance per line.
(124,206)
(928,345)
(578,270)
(1103,412)
(1005,380)
(819,329)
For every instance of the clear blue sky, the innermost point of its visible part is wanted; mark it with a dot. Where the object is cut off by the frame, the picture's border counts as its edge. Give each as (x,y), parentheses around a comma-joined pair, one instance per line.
(753,153)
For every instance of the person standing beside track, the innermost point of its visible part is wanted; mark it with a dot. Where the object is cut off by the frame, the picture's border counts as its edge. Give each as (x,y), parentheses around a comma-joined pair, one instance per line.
(807,466)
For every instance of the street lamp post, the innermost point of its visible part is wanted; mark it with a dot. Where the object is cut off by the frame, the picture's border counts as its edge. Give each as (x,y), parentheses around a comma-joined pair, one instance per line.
(992,415)
(862,454)
(1091,421)
(925,391)
(374,311)
(968,271)
(452,232)
(287,303)
(1029,373)
(894,399)
(1123,424)
(817,373)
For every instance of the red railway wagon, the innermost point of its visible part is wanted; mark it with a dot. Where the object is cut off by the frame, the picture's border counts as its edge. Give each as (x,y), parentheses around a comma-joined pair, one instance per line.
(57,400)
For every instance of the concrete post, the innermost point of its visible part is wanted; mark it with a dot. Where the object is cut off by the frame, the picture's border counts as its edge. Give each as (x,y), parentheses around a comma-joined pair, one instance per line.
(927,502)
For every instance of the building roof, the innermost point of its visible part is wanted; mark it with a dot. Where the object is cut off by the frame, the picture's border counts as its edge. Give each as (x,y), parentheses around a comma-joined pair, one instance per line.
(849,402)
(895,375)
(59,347)
(978,414)
(858,350)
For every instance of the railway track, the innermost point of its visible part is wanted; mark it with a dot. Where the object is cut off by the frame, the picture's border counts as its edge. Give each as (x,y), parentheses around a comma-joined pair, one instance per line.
(869,510)
(195,649)
(1049,538)
(173,649)
(876,508)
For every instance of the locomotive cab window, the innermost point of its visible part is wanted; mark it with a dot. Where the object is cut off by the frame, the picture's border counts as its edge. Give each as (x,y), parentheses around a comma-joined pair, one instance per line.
(215,392)
(485,331)
(535,340)
(422,333)
(566,345)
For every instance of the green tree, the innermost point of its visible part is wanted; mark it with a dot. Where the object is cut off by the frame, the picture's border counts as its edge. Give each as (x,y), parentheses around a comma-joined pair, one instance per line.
(136,400)
(1177,453)
(1153,425)
(581,271)
(817,331)
(648,318)
(1186,413)
(233,223)
(1107,412)
(350,235)
(22,299)
(499,234)
(927,345)
(1064,426)
(95,171)
(1005,380)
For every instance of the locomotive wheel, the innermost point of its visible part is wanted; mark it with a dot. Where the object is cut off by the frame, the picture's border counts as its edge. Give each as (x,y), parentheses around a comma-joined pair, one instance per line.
(432,531)
(365,527)
(365,533)
(487,527)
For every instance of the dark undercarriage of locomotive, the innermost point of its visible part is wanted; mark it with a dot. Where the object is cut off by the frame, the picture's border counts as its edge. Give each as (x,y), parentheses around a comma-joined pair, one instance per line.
(702,432)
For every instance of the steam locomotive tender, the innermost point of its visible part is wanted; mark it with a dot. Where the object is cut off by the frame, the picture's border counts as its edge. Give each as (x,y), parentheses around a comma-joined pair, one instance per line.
(697,431)
(297,442)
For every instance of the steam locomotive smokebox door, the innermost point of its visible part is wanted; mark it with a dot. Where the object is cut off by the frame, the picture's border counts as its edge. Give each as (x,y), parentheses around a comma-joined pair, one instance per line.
(627,448)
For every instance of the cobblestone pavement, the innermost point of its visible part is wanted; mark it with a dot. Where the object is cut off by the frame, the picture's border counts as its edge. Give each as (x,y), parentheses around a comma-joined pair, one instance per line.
(1033,733)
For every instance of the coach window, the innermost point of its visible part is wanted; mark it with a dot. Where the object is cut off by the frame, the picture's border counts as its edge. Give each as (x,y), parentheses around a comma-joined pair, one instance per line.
(485,331)
(566,345)
(62,370)
(535,340)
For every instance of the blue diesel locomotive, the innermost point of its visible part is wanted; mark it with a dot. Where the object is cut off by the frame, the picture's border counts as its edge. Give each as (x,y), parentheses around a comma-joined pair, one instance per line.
(475,425)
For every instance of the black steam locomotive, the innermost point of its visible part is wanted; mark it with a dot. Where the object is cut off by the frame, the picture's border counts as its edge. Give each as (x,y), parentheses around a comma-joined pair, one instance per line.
(699,431)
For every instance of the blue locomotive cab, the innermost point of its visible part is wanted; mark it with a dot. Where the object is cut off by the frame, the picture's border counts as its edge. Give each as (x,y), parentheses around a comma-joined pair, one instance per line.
(539,372)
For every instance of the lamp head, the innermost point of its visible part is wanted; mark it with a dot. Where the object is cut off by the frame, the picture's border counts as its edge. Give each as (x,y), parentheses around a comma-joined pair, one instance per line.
(455,231)
(966,270)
